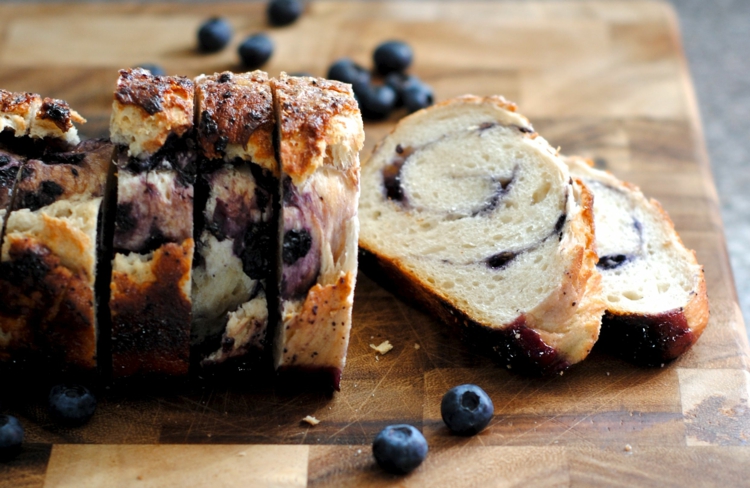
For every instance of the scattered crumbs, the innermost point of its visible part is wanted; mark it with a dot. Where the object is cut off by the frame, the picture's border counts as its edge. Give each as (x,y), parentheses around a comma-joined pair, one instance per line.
(662,365)
(416,346)
(508,366)
(372,337)
(209,435)
(562,372)
(383,348)
(355,385)
(311,420)
(607,373)
(243,453)
(377,358)
(359,451)
(518,336)
(628,448)
(139,477)
(373,394)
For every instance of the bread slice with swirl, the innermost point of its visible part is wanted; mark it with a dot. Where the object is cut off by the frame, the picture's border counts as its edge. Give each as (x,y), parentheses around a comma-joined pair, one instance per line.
(235,227)
(654,288)
(468,211)
(320,135)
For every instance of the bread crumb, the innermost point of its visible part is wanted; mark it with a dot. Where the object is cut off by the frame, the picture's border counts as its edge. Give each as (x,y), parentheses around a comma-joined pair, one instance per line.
(311,420)
(607,373)
(628,448)
(416,346)
(383,348)
(243,453)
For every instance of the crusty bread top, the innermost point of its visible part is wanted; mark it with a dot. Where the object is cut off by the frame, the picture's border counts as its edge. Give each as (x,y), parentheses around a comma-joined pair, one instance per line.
(16,111)
(147,109)
(235,117)
(319,123)
(27,114)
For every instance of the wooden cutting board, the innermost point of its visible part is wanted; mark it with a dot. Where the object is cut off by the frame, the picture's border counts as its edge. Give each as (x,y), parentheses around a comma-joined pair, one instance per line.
(601,79)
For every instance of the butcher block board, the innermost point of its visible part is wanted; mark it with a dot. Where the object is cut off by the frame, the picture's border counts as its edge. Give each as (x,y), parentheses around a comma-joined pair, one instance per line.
(606,80)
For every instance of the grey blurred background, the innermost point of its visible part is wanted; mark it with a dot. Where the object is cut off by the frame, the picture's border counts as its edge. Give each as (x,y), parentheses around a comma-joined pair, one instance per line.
(715,36)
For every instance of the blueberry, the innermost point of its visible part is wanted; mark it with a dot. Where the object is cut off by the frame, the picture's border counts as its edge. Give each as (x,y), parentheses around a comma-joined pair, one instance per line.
(466,409)
(155,69)
(284,12)
(214,35)
(392,56)
(11,437)
(347,71)
(399,82)
(255,51)
(297,244)
(417,96)
(71,404)
(399,448)
(375,101)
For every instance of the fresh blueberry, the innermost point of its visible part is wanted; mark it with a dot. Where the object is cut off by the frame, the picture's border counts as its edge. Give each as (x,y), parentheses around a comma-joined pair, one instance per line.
(255,51)
(466,409)
(417,96)
(347,71)
(155,69)
(375,101)
(392,56)
(71,404)
(11,437)
(399,82)
(399,448)
(214,35)
(284,12)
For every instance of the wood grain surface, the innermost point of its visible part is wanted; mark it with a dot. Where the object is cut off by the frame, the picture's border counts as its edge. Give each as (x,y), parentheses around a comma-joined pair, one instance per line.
(601,79)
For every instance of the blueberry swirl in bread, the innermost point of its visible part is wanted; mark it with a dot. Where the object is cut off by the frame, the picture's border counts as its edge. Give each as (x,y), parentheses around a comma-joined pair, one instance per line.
(150,301)
(654,288)
(235,229)
(475,216)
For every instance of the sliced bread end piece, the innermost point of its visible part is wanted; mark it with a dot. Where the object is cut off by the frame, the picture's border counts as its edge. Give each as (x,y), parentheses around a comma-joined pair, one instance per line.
(470,212)
(653,286)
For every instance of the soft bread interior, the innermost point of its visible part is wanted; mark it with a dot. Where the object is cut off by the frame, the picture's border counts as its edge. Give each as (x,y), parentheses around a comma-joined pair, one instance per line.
(473,187)
(645,267)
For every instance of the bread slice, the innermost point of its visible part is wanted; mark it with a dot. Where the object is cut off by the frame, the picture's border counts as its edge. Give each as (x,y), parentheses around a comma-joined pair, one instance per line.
(49,251)
(654,288)
(320,135)
(150,305)
(235,229)
(473,215)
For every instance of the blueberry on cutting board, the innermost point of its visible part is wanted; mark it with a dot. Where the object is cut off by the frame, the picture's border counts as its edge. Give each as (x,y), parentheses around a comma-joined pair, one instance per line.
(347,71)
(375,101)
(466,409)
(417,96)
(255,50)
(71,404)
(284,12)
(213,35)
(11,437)
(392,56)
(399,449)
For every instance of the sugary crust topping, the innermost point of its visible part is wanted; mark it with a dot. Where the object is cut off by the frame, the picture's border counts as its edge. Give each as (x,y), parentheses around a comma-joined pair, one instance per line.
(235,117)
(315,114)
(147,109)
(17,110)
(58,113)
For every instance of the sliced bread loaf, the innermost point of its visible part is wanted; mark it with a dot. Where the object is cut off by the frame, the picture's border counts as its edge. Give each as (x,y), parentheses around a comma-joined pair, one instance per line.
(473,215)
(235,229)
(320,135)
(654,288)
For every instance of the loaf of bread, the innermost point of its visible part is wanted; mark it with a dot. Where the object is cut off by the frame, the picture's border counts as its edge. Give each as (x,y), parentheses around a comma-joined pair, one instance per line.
(320,135)
(469,212)
(235,228)
(150,300)
(49,249)
(654,288)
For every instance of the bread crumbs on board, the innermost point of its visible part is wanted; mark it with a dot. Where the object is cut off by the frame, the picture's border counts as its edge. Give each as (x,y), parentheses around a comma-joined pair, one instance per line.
(311,420)
(383,348)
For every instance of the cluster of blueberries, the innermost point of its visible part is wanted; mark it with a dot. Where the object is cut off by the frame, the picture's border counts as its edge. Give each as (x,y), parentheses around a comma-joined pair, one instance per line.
(398,89)
(466,410)
(376,100)
(71,405)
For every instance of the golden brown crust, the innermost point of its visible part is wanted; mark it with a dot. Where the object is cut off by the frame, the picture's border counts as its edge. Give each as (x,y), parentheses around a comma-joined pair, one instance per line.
(47,311)
(313,114)
(236,109)
(59,113)
(16,111)
(154,94)
(151,313)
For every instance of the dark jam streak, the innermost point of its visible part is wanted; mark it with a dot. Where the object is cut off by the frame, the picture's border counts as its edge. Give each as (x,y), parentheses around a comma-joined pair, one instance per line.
(501,260)
(613,261)
(392,174)
(297,244)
